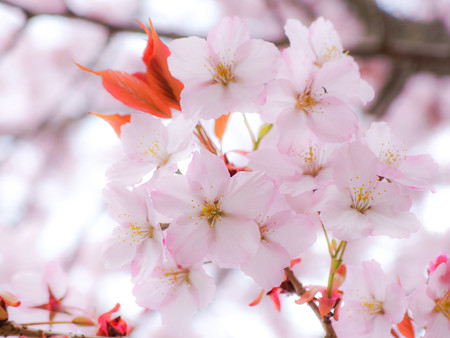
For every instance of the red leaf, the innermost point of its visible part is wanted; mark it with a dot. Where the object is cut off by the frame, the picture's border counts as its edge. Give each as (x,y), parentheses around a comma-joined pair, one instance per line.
(116,121)
(258,299)
(158,75)
(405,327)
(276,300)
(294,262)
(132,91)
(221,125)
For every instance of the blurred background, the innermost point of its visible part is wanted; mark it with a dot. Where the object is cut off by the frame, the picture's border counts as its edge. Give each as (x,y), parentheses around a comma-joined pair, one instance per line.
(53,154)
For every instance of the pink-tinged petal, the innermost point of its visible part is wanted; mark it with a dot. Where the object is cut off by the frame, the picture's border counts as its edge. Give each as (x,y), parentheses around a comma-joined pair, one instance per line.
(272,162)
(365,92)
(394,225)
(128,172)
(266,266)
(332,120)
(125,205)
(395,303)
(206,101)
(375,280)
(234,242)
(354,165)
(345,222)
(145,139)
(281,95)
(247,195)
(188,242)
(418,171)
(207,175)
(251,58)
(380,327)
(296,68)
(227,36)
(202,287)
(148,254)
(188,61)
(180,137)
(325,41)
(421,305)
(177,314)
(173,198)
(294,233)
(340,79)
(298,35)
(438,326)
(118,251)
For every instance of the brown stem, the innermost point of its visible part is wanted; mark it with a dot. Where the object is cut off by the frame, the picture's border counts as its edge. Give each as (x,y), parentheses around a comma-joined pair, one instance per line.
(300,290)
(11,329)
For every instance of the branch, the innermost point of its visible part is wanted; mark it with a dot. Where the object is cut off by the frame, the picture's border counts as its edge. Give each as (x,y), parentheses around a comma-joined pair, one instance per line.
(300,291)
(10,329)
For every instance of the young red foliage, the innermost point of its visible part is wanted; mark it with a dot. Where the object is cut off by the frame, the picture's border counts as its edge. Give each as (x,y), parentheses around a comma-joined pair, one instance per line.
(116,121)
(158,74)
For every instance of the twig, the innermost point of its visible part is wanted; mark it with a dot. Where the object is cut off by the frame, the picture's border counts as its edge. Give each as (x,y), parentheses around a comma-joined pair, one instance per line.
(300,291)
(11,329)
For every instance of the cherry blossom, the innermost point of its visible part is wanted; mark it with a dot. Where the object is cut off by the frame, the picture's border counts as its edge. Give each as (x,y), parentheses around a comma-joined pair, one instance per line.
(414,171)
(138,239)
(177,291)
(212,213)
(362,204)
(299,163)
(224,73)
(322,44)
(430,302)
(149,145)
(317,99)
(372,303)
(283,235)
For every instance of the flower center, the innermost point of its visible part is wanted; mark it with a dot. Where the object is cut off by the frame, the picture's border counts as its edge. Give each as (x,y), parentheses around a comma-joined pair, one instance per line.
(223,73)
(305,101)
(212,212)
(443,305)
(391,155)
(312,163)
(362,196)
(373,307)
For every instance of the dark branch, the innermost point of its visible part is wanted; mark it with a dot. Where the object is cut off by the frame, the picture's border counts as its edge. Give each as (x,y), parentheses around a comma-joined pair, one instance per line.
(300,291)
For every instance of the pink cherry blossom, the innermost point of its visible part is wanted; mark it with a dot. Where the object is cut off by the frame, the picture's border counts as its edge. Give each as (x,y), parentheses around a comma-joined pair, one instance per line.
(414,171)
(283,236)
(298,163)
(138,239)
(430,303)
(177,291)
(322,44)
(212,213)
(224,73)
(303,96)
(361,204)
(372,304)
(149,145)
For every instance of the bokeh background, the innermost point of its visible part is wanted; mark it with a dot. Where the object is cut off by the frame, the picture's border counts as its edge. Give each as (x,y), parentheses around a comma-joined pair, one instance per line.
(53,154)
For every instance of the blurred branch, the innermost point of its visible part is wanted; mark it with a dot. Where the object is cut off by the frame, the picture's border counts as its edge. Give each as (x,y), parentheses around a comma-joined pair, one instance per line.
(300,291)
(10,328)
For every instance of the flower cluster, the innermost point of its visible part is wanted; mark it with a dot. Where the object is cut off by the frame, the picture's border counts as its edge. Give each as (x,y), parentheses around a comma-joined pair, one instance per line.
(311,164)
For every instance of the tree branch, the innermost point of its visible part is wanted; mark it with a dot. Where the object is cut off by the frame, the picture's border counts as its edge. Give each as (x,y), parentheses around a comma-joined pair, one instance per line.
(11,329)
(300,291)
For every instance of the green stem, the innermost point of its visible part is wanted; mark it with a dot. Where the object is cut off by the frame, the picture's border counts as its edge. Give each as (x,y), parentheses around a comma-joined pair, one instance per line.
(252,136)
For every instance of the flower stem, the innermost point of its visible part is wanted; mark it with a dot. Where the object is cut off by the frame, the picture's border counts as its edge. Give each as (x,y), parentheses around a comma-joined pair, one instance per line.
(252,136)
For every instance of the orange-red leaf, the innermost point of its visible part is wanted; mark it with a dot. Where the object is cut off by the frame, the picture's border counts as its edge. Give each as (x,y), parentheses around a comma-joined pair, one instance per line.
(221,125)
(116,121)
(159,77)
(405,327)
(339,277)
(258,299)
(131,90)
